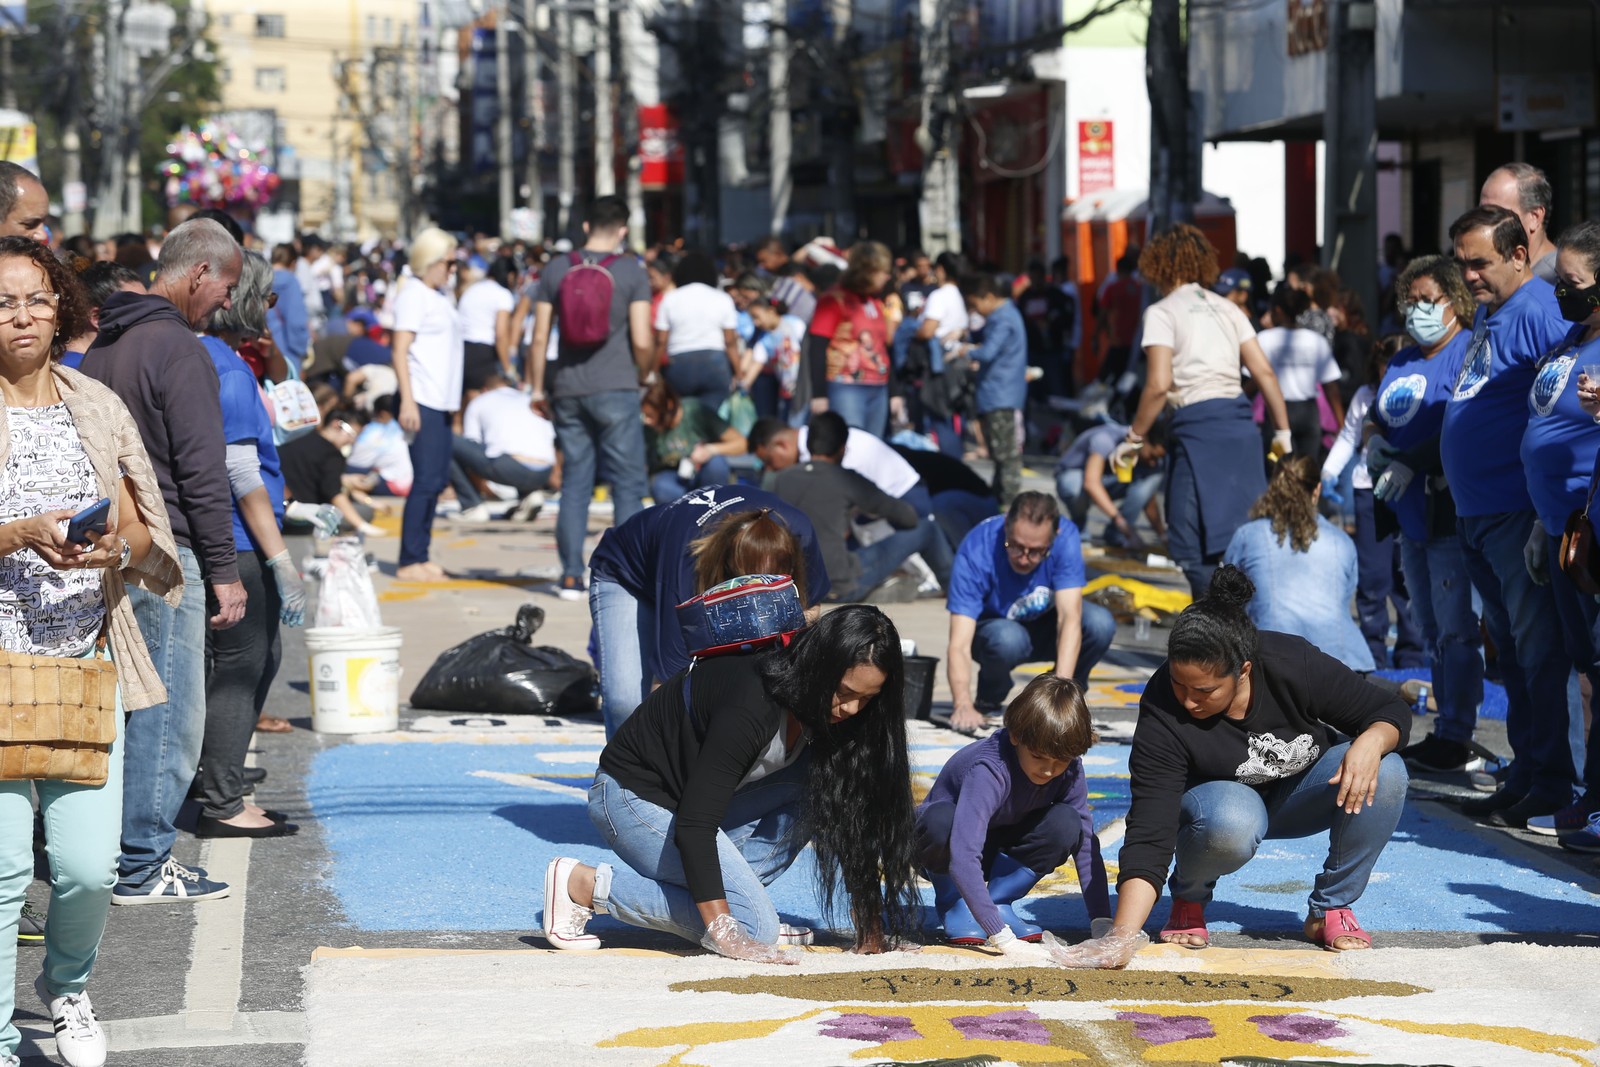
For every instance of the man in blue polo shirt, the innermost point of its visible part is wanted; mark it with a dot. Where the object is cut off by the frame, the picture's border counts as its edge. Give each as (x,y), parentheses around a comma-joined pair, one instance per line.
(1518,321)
(1016,595)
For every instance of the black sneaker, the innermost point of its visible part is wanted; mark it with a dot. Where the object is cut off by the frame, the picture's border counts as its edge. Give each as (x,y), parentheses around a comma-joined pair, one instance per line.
(30,926)
(1517,815)
(1437,755)
(1479,807)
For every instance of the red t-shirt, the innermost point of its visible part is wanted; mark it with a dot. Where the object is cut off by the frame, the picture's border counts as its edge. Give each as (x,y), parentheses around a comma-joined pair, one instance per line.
(858,337)
(1123,303)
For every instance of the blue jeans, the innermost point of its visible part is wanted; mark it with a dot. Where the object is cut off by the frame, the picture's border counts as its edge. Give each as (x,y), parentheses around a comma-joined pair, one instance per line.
(468,457)
(1380,582)
(866,407)
(1580,623)
(81,823)
(625,635)
(430,466)
(882,558)
(1522,620)
(601,428)
(1001,645)
(1437,570)
(1221,824)
(162,742)
(705,375)
(666,486)
(1136,495)
(958,511)
(754,846)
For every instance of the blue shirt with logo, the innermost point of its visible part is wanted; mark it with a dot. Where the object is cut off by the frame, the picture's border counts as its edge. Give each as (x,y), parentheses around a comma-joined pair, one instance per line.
(1409,410)
(245,421)
(1558,449)
(1489,409)
(983,584)
(649,556)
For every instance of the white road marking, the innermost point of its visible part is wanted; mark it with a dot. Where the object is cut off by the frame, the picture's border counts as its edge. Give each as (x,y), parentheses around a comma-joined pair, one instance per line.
(174,1031)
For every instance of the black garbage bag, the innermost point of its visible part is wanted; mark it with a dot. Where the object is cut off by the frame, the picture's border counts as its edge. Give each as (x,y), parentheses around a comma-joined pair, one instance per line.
(503,673)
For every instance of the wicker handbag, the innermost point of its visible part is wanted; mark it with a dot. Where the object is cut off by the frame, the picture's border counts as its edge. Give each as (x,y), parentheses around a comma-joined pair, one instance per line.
(58,717)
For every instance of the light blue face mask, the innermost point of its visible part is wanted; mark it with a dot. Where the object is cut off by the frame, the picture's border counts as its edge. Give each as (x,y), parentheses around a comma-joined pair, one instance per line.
(1426,322)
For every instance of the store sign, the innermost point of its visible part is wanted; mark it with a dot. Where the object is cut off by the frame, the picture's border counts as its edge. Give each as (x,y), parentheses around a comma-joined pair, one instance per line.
(1308,26)
(1545,101)
(660,149)
(19,140)
(1097,170)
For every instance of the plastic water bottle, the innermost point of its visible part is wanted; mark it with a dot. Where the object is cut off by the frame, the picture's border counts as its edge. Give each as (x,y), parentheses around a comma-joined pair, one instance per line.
(1141,629)
(1420,707)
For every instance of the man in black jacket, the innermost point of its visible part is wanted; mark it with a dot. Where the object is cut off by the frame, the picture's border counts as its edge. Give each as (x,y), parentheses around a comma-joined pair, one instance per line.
(830,496)
(147,353)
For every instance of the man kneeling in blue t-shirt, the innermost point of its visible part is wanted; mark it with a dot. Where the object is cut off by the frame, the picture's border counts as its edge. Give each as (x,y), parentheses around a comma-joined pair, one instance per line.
(1015,596)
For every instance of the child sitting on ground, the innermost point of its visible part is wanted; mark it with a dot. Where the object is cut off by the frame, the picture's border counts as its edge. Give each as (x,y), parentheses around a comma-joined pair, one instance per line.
(1005,812)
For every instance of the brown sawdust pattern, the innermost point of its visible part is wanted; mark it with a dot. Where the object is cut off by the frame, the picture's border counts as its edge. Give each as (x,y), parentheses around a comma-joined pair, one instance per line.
(1022,984)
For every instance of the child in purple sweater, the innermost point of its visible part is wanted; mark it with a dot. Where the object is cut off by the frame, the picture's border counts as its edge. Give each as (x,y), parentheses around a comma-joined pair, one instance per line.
(1008,810)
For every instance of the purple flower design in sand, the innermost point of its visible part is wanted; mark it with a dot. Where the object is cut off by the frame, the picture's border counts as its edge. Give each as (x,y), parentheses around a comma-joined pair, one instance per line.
(1165,1029)
(1307,1029)
(858,1026)
(1023,1026)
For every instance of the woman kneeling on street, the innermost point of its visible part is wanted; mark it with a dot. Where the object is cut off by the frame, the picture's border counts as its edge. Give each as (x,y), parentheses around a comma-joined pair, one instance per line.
(1241,738)
(706,805)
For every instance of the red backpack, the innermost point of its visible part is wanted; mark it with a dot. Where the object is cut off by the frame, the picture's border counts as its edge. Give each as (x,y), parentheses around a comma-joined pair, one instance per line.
(585,302)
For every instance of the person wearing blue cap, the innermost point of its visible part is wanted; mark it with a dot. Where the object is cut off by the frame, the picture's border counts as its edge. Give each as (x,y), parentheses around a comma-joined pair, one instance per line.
(1238,288)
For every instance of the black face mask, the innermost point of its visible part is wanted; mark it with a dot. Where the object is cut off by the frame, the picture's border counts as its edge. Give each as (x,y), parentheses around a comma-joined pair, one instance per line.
(1577,304)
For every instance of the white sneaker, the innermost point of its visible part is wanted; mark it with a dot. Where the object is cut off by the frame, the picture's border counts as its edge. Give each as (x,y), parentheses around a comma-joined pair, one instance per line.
(528,507)
(80,1041)
(795,935)
(476,513)
(564,919)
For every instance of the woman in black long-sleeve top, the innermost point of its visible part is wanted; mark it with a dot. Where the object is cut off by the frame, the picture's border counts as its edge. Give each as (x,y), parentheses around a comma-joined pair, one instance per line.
(1241,738)
(708,792)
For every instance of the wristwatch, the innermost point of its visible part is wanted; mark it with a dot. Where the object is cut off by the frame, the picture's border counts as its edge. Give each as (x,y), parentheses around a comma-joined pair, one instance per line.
(127,554)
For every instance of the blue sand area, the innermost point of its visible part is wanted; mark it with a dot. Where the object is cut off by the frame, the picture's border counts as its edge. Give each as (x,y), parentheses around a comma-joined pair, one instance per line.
(444,836)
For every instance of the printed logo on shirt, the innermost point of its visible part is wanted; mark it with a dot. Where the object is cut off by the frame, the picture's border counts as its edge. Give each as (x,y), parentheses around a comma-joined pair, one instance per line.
(707,498)
(1549,384)
(1272,758)
(1475,368)
(1030,605)
(1402,400)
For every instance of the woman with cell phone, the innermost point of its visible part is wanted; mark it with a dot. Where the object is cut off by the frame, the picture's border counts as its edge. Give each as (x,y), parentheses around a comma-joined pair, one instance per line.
(67,445)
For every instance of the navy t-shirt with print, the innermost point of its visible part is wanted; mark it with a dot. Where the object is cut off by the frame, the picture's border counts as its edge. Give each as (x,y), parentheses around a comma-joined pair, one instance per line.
(1558,449)
(649,557)
(1488,412)
(1409,410)
(983,584)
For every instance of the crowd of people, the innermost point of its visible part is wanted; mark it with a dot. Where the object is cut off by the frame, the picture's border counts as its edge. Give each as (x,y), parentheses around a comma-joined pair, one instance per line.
(813,412)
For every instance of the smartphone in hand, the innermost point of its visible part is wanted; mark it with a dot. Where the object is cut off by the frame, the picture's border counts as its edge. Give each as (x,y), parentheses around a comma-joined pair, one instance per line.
(90,522)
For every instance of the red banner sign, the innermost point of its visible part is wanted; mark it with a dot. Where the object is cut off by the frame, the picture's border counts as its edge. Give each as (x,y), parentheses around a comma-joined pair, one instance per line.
(1097,169)
(660,149)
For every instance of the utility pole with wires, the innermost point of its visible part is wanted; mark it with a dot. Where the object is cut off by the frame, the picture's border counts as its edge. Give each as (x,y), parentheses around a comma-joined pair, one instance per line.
(567,101)
(1174,173)
(938,136)
(780,128)
(532,178)
(504,163)
(605,149)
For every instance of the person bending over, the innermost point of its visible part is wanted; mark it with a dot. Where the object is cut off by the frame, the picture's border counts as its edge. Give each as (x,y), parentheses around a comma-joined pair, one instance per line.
(1239,740)
(712,789)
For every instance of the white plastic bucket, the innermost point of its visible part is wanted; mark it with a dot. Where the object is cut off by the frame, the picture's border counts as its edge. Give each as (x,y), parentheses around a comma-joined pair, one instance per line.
(355,679)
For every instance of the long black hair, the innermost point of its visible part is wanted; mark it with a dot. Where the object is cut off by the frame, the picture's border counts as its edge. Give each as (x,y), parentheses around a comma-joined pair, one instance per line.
(1215,632)
(858,811)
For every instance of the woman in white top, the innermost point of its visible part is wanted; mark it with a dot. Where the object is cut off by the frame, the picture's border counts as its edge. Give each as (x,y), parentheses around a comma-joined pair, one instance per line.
(943,324)
(427,364)
(485,307)
(1303,361)
(1196,345)
(697,340)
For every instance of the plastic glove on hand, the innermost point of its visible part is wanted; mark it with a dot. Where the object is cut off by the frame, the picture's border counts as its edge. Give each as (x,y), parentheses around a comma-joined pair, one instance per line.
(1101,927)
(1111,952)
(1013,948)
(324,517)
(1126,454)
(1380,454)
(291,590)
(1282,444)
(726,937)
(1535,556)
(1330,490)
(1393,482)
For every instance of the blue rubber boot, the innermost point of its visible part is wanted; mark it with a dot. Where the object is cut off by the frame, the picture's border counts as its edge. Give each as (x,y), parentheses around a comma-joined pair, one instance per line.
(1010,881)
(960,928)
